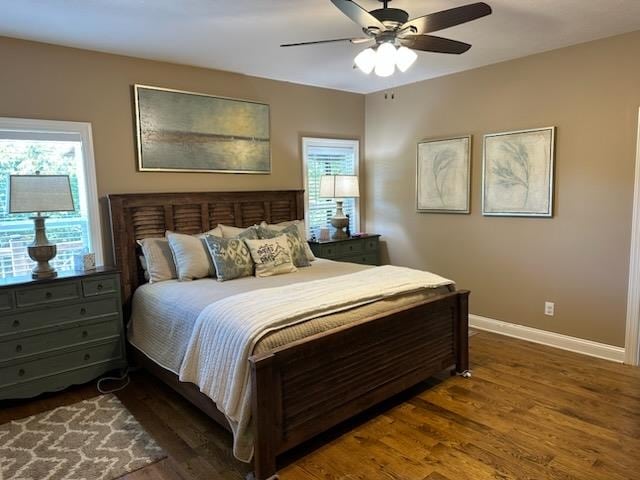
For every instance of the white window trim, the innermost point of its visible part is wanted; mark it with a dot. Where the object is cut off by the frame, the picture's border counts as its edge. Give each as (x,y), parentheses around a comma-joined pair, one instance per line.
(85,132)
(332,142)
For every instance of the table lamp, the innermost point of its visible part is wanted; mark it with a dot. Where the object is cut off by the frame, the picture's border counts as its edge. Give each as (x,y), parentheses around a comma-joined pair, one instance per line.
(339,187)
(36,194)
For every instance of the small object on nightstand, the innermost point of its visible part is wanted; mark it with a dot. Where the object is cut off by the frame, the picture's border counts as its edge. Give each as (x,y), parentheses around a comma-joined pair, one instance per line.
(348,230)
(84,262)
(324,234)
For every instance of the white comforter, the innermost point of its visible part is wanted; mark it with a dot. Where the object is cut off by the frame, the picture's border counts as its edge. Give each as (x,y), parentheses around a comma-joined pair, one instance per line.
(226,332)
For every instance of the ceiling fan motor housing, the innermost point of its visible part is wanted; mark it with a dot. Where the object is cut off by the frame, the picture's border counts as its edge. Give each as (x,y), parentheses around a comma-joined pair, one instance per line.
(394,16)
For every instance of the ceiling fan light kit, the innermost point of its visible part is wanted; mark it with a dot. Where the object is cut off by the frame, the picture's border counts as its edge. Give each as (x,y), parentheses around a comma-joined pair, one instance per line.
(397,37)
(385,59)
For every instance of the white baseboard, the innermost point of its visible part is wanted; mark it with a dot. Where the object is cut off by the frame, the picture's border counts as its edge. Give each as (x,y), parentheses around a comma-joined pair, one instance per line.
(564,342)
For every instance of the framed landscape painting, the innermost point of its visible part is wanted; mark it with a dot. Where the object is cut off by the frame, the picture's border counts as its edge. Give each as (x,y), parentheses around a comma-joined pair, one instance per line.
(518,173)
(193,132)
(443,175)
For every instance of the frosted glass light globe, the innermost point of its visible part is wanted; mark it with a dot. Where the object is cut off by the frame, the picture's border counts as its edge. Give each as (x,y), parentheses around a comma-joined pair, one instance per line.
(405,58)
(386,60)
(366,60)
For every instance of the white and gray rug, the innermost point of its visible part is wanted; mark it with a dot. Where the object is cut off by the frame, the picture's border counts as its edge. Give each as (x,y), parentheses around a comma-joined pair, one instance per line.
(97,439)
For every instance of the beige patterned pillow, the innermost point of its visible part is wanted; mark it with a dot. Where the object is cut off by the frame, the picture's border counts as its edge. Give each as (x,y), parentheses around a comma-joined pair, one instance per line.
(232,232)
(190,254)
(271,256)
(295,242)
(302,229)
(158,259)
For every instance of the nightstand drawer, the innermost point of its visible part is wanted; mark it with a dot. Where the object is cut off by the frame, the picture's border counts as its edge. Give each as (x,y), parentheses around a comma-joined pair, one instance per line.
(59,315)
(352,247)
(329,251)
(99,286)
(365,259)
(58,292)
(71,360)
(6,301)
(30,345)
(370,244)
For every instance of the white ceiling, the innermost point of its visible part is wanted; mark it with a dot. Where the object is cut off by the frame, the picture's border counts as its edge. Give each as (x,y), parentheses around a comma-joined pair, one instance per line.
(244,35)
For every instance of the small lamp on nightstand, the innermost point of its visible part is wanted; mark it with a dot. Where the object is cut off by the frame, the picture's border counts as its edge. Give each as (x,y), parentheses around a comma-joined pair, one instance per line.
(339,187)
(35,194)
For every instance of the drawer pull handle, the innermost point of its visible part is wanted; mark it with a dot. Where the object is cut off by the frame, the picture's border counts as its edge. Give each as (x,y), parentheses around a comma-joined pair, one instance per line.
(18,348)
(83,311)
(85,334)
(86,357)
(21,372)
(48,295)
(16,323)
(99,287)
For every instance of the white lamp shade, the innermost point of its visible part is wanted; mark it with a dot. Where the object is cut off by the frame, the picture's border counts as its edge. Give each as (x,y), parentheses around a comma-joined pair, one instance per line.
(386,60)
(366,60)
(40,193)
(339,186)
(405,58)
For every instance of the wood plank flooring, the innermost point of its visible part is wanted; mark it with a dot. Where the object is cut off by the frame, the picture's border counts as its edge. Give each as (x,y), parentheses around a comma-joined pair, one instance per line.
(529,412)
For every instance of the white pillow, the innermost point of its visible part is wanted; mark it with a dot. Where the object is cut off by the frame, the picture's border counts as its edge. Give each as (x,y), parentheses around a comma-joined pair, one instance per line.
(190,254)
(158,259)
(302,229)
(232,232)
(271,256)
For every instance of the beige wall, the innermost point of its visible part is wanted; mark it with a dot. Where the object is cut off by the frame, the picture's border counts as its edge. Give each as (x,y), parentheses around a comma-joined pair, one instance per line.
(578,259)
(56,83)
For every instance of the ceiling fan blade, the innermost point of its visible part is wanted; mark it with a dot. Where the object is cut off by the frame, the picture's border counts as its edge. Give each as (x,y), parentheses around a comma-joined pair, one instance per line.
(352,40)
(448,18)
(359,15)
(429,43)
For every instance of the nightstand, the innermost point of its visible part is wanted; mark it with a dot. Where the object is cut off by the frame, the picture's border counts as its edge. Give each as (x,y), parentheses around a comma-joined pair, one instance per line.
(363,250)
(59,332)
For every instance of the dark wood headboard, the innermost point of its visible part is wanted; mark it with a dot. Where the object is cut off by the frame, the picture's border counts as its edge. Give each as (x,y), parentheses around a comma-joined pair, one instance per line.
(135,216)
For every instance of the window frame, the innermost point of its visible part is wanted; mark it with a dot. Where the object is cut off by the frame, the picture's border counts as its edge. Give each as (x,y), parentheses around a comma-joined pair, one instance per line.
(329,142)
(84,130)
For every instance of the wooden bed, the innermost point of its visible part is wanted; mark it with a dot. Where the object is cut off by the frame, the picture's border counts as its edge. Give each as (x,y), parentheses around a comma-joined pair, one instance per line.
(311,385)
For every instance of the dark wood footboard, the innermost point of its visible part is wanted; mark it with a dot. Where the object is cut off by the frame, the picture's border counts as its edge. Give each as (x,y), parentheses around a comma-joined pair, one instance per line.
(306,387)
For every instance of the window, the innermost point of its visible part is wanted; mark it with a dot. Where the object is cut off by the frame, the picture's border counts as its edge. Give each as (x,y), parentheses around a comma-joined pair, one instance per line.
(322,156)
(50,147)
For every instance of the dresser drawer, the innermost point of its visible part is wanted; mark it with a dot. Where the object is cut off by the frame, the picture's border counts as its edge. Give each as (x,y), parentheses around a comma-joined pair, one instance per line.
(328,251)
(22,322)
(99,286)
(71,360)
(39,343)
(6,301)
(370,244)
(58,292)
(352,247)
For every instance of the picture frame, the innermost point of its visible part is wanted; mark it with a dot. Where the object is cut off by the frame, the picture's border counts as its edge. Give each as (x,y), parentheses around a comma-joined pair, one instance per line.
(518,173)
(443,175)
(182,131)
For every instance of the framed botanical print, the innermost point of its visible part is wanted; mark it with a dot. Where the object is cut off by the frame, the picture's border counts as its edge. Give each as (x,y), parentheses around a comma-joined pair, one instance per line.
(517,178)
(443,175)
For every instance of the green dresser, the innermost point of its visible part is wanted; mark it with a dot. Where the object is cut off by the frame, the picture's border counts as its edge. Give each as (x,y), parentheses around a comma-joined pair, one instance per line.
(58,332)
(365,250)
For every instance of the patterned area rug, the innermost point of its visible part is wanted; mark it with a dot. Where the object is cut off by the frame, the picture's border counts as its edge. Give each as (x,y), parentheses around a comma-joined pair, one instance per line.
(97,439)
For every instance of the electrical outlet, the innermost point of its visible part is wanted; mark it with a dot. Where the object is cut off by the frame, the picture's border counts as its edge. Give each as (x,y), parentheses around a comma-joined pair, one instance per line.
(549,308)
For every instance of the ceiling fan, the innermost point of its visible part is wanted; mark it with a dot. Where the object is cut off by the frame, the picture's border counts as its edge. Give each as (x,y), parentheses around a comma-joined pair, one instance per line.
(397,37)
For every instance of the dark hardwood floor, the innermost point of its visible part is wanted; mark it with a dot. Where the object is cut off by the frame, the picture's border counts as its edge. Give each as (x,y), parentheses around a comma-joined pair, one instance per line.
(529,412)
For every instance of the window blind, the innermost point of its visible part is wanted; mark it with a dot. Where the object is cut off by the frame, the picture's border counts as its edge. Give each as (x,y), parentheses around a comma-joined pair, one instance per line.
(323,158)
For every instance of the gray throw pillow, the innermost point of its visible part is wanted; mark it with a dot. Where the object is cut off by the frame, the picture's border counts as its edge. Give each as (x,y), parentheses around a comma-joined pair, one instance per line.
(294,241)
(231,256)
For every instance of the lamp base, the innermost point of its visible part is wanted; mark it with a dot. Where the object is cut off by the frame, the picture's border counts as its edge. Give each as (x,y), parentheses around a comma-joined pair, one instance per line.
(42,251)
(339,221)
